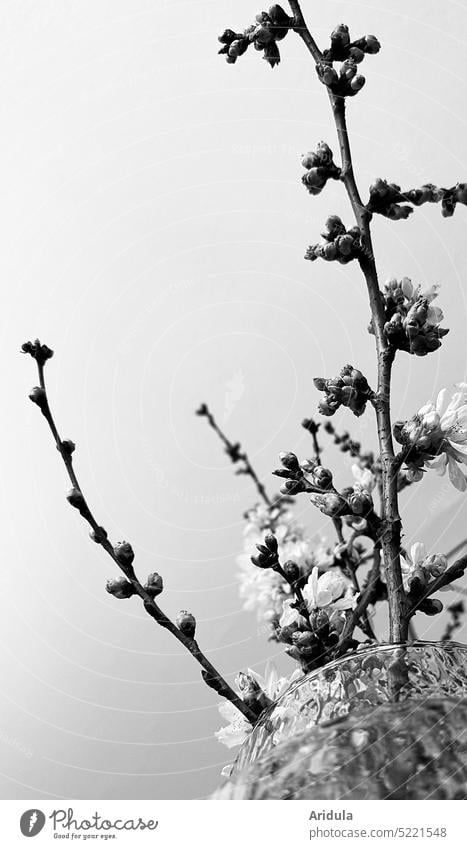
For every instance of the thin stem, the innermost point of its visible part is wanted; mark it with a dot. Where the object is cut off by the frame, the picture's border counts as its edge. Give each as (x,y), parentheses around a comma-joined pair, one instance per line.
(452,573)
(235,454)
(367,597)
(301,28)
(303,608)
(391,534)
(100,536)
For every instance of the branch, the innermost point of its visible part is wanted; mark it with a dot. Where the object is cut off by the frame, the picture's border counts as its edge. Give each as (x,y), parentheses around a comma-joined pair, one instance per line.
(391,521)
(368,596)
(301,28)
(122,554)
(452,573)
(233,449)
(312,427)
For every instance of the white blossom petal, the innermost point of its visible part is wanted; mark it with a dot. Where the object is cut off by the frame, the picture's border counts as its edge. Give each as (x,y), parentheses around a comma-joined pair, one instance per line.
(456,476)
(417,552)
(440,400)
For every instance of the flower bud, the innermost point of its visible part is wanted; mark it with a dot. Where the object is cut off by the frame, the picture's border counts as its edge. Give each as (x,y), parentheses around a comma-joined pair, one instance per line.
(348,69)
(310,160)
(319,621)
(265,559)
(293,487)
(431,606)
(417,580)
(186,622)
(327,409)
(124,553)
(315,178)
(67,447)
(263,35)
(238,47)
(360,501)
(98,535)
(340,35)
(330,251)
(334,227)
(398,212)
(324,153)
(285,634)
(329,75)
(436,564)
(322,476)
(448,205)
(304,640)
(76,498)
(357,83)
(227,36)
(345,244)
(330,504)
(38,396)
(120,588)
(291,571)
(356,55)
(379,187)
(40,353)
(289,461)
(270,542)
(154,584)
(372,44)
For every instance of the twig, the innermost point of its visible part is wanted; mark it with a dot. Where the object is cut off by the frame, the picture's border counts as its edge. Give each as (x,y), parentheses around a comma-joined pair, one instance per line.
(391,535)
(312,427)
(301,28)
(455,611)
(99,535)
(233,449)
(367,597)
(452,573)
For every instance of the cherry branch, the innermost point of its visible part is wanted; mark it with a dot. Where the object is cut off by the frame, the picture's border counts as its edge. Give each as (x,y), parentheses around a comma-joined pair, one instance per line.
(122,553)
(234,451)
(391,535)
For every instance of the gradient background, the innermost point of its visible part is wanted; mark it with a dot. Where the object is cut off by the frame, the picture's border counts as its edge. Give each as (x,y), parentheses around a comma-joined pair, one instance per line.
(153,230)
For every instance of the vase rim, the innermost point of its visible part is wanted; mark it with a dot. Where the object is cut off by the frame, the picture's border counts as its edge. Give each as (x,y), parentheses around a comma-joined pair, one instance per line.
(373,648)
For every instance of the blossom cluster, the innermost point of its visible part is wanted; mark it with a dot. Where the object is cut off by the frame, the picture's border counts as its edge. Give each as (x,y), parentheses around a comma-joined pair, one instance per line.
(387,198)
(418,567)
(320,168)
(309,476)
(265,590)
(312,630)
(268,28)
(238,728)
(339,243)
(350,389)
(436,438)
(412,321)
(347,82)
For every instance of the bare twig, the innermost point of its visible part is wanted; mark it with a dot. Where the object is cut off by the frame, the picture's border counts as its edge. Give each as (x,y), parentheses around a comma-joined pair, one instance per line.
(452,573)
(368,596)
(99,535)
(455,613)
(391,534)
(234,451)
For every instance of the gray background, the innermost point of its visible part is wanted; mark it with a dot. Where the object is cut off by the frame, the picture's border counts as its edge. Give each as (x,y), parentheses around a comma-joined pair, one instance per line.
(153,229)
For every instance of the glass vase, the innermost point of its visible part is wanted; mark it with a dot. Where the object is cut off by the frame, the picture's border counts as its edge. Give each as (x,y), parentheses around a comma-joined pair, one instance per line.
(387,722)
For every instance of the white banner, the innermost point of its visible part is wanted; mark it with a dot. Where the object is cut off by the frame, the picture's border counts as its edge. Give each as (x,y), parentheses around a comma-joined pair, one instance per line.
(231,825)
